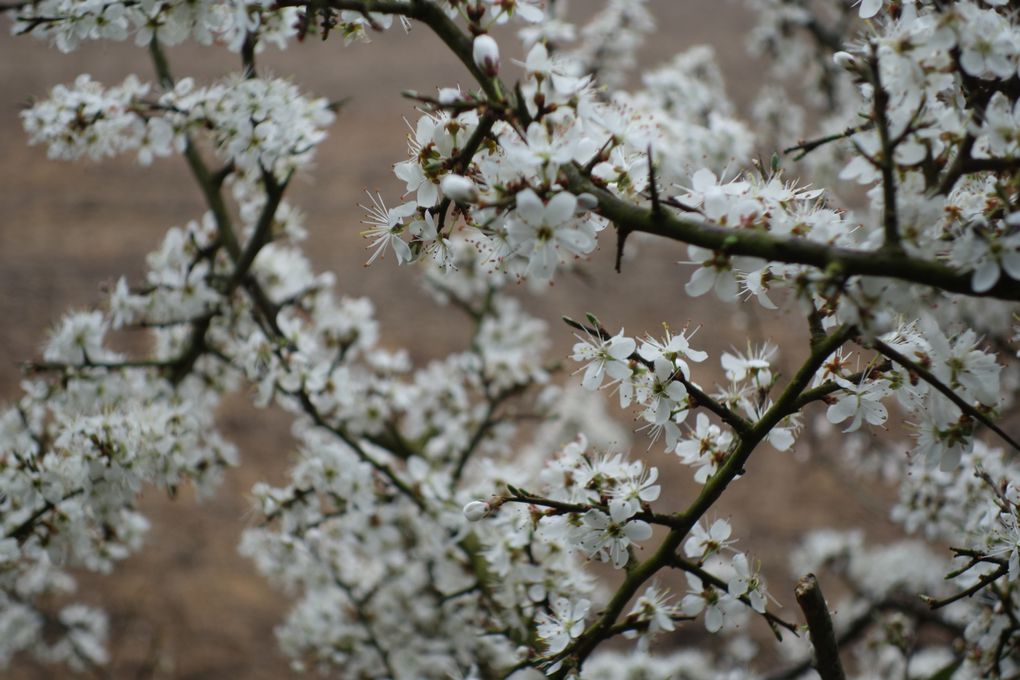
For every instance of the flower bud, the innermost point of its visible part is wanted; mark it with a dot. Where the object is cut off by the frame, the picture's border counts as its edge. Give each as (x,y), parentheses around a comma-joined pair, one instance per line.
(450,95)
(476,510)
(586,202)
(459,189)
(486,54)
(844,60)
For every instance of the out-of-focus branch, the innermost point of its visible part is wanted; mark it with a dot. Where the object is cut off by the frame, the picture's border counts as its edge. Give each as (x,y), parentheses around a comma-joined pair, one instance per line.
(803,148)
(819,623)
(979,585)
(880,110)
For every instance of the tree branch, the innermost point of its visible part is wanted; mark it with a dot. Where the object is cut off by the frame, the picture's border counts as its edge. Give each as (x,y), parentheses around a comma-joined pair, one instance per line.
(932,380)
(980,584)
(665,554)
(790,250)
(819,623)
(806,147)
(880,105)
(561,507)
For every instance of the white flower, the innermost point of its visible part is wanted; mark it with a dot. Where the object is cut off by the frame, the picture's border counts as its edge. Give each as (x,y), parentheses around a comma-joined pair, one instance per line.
(707,448)
(654,607)
(714,271)
(961,365)
(543,231)
(605,357)
(746,582)
(540,63)
(703,543)
(1007,542)
(387,226)
(756,284)
(861,403)
(638,487)
(609,536)
(674,348)
(78,339)
(757,365)
(988,256)
(666,393)
(941,438)
(717,605)
(713,197)
(565,623)
(425,190)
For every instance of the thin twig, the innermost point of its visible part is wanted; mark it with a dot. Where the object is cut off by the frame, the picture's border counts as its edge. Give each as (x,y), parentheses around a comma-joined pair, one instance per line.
(806,147)
(700,398)
(932,380)
(775,623)
(980,584)
(561,507)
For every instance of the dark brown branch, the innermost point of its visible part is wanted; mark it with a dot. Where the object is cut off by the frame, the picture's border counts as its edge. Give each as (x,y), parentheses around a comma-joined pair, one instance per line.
(860,625)
(488,422)
(880,106)
(979,585)
(309,408)
(806,147)
(819,623)
(932,380)
(431,15)
(561,507)
(21,532)
(792,250)
(262,232)
(14,6)
(665,554)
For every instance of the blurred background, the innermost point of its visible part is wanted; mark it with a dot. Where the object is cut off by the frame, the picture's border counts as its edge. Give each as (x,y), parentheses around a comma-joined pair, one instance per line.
(189,606)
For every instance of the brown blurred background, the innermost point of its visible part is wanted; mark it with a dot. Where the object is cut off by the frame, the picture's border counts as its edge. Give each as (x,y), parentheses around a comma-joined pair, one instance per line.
(189,606)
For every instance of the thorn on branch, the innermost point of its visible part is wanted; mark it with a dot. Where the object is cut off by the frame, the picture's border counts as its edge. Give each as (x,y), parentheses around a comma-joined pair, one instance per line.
(338,104)
(653,188)
(598,332)
(621,239)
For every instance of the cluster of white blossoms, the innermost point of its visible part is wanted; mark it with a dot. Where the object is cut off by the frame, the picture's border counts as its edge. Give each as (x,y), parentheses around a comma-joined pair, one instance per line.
(68,23)
(256,124)
(446,520)
(76,455)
